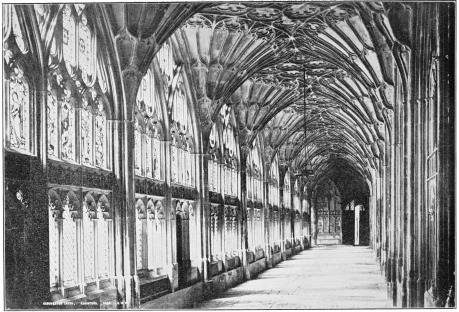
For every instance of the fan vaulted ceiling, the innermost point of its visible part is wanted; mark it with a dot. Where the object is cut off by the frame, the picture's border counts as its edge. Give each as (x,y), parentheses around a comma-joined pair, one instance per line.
(267,60)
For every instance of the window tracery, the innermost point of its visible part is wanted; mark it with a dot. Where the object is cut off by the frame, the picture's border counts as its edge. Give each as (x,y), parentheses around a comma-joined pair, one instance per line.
(19,108)
(231,155)
(287,201)
(273,199)
(150,236)
(148,129)
(273,195)
(183,160)
(214,152)
(255,195)
(88,237)
(77,104)
(66,224)
(287,190)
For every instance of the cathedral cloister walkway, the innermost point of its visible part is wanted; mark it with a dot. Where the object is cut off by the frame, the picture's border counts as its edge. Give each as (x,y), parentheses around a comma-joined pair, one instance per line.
(323,277)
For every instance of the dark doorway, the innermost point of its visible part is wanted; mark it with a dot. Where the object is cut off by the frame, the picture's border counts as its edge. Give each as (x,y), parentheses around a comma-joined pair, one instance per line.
(183,261)
(349,227)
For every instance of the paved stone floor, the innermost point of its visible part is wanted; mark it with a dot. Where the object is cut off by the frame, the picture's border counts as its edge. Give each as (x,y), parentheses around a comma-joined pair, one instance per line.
(323,277)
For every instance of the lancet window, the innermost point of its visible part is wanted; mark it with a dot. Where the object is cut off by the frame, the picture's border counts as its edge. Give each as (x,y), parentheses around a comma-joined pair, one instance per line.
(297,207)
(287,200)
(287,190)
(214,159)
(148,130)
(273,182)
(230,153)
(77,93)
(215,232)
(19,106)
(273,199)
(183,164)
(255,196)
(183,160)
(255,174)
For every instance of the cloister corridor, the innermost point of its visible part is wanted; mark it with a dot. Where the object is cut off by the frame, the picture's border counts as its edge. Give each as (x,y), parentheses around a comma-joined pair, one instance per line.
(323,277)
(229,155)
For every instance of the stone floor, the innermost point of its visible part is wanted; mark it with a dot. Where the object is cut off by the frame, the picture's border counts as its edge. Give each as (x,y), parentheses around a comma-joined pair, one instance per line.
(323,277)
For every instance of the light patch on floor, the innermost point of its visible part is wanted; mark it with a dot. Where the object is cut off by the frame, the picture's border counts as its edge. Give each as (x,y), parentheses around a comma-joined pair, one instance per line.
(324,277)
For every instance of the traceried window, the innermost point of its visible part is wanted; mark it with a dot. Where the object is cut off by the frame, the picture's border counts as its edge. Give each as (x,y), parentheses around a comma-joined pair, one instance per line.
(166,65)
(19,108)
(150,237)
(78,113)
(77,93)
(183,161)
(231,155)
(287,190)
(62,241)
(273,194)
(96,237)
(255,173)
(255,195)
(287,199)
(273,200)
(223,178)
(148,130)
(224,156)
(215,156)
(66,221)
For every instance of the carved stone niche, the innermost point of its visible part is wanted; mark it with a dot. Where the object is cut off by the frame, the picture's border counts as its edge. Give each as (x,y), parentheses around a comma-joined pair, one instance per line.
(140,206)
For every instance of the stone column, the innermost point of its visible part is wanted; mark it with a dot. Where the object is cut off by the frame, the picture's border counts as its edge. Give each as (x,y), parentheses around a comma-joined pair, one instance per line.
(446,141)
(203,167)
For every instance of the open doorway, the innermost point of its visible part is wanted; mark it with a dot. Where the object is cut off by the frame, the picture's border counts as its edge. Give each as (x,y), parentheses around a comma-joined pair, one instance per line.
(356,224)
